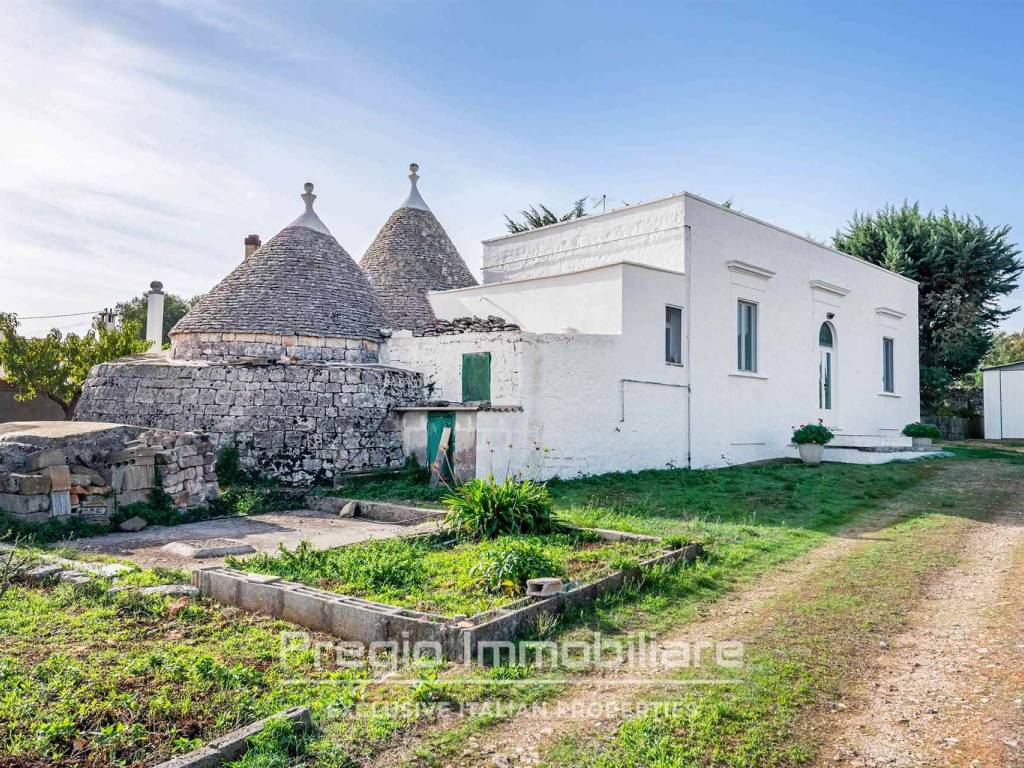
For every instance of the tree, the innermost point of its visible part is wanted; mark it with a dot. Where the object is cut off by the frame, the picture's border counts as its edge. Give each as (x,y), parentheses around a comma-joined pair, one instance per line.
(175,308)
(1006,348)
(963,266)
(56,365)
(534,219)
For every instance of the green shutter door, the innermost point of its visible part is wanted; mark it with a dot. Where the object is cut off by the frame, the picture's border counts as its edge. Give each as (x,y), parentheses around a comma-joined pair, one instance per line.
(476,377)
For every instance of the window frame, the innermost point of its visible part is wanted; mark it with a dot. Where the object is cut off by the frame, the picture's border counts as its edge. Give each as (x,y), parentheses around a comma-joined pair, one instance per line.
(678,309)
(741,348)
(888,365)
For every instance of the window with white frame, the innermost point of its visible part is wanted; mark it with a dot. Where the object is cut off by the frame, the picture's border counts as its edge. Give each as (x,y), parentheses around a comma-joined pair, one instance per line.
(673,335)
(746,336)
(888,365)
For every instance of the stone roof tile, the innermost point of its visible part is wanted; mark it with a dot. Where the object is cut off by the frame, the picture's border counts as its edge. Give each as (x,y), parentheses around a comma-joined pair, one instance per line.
(300,282)
(412,255)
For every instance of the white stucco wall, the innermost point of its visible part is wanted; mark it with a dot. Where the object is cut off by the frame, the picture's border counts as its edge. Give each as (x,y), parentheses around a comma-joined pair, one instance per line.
(439,359)
(744,417)
(588,369)
(589,301)
(592,402)
(1004,403)
(649,233)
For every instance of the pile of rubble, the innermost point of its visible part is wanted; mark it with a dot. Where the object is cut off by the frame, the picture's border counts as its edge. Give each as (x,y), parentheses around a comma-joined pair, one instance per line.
(63,469)
(39,568)
(488,324)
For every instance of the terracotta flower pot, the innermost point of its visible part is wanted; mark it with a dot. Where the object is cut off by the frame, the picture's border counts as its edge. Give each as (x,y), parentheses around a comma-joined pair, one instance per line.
(921,443)
(811,453)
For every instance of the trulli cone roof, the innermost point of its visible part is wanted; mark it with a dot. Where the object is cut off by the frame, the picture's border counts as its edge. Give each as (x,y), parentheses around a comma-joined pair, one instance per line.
(299,282)
(411,255)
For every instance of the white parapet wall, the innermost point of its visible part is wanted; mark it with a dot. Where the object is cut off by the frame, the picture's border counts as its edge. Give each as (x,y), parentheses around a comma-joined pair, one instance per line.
(649,233)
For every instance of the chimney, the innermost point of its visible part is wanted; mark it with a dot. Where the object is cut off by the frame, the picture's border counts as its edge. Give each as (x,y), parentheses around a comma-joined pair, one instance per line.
(252,242)
(155,316)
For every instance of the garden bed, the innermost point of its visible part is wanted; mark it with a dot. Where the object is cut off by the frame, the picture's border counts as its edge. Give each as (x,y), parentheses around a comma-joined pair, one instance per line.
(478,585)
(439,574)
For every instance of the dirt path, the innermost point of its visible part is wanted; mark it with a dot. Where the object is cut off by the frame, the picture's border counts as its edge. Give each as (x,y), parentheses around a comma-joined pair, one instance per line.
(522,739)
(948,690)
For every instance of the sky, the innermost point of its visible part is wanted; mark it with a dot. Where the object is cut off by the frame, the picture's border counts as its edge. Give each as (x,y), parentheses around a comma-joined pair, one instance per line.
(142,141)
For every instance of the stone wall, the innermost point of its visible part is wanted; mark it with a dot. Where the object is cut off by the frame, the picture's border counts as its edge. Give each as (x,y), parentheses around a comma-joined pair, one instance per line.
(299,422)
(226,346)
(59,469)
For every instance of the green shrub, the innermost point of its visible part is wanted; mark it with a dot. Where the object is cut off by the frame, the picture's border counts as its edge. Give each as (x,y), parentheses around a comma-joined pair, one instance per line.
(917,429)
(484,509)
(505,566)
(812,433)
(229,466)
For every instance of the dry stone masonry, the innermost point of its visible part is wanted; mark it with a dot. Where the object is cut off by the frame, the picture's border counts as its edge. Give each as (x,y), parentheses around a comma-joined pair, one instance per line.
(182,463)
(279,358)
(488,324)
(61,469)
(299,422)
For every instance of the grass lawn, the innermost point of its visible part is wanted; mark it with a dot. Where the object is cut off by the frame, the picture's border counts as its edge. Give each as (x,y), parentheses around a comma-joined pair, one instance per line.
(750,518)
(820,636)
(89,679)
(439,574)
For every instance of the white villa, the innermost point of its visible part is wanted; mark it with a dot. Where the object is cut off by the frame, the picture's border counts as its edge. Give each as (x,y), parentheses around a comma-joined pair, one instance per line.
(674,333)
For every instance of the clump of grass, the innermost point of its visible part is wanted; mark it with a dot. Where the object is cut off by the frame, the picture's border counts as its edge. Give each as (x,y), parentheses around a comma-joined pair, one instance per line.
(379,566)
(484,509)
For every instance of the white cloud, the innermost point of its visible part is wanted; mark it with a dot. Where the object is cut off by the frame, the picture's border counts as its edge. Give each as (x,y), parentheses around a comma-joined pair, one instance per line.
(123,162)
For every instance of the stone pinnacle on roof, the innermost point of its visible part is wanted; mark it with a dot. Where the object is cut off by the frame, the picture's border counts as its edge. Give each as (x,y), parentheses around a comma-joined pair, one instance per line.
(309,217)
(411,256)
(415,199)
(299,282)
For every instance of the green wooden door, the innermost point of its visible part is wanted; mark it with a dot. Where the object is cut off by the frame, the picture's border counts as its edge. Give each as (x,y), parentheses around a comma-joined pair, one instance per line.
(476,377)
(436,422)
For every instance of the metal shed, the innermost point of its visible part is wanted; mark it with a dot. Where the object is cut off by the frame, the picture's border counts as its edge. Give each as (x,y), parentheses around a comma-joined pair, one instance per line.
(1004,401)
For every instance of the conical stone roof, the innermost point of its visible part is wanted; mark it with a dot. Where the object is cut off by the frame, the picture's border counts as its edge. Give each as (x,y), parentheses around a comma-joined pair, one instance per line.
(411,255)
(300,282)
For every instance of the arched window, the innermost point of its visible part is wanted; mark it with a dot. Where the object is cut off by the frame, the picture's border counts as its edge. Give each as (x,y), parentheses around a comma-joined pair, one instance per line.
(825,338)
(826,366)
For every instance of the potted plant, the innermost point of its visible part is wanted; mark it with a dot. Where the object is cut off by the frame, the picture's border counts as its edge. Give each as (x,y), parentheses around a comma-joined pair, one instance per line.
(922,434)
(810,440)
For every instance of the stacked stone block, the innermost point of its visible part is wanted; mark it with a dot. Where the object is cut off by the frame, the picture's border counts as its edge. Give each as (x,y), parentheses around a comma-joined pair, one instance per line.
(299,422)
(41,488)
(40,483)
(183,464)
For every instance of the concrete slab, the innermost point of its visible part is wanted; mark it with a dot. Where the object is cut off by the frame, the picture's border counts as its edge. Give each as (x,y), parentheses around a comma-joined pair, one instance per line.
(263,532)
(204,549)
